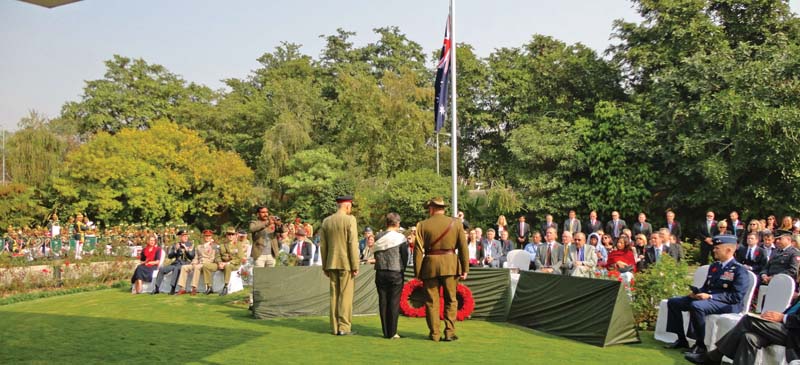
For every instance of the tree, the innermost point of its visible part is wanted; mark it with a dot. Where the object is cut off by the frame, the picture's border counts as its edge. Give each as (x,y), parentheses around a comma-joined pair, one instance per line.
(163,173)
(311,183)
(20,206)
(132,94)
(34,154)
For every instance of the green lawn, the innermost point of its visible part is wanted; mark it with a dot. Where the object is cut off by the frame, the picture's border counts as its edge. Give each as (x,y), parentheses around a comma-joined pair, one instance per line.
(113,326)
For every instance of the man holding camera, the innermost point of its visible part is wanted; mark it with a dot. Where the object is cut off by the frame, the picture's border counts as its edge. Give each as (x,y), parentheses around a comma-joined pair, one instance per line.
(182,252)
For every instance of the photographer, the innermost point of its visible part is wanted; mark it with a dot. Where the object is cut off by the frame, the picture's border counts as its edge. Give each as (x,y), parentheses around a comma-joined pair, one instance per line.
(182,252)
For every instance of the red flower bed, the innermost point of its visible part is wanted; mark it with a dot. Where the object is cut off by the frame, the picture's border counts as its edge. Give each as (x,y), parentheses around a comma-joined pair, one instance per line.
(466,303)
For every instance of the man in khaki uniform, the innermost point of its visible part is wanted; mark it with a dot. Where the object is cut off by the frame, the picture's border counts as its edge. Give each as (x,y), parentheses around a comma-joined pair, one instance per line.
(338,248)
(265,248)
(437,264)
(231,257)
(205,255)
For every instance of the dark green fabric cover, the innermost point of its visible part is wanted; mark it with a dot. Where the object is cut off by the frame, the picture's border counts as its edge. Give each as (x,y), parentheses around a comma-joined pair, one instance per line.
(305,291)
(592,311)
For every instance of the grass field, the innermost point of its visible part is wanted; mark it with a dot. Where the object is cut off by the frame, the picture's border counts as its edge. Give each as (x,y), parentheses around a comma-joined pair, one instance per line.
(113,326)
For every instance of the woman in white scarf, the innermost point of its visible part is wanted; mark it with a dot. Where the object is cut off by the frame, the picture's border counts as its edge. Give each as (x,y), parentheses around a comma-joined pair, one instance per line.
(391,256)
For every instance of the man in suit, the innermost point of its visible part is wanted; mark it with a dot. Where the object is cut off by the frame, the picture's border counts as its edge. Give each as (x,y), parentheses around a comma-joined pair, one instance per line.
(769,244)
(707,230)
(338,246)
(506,246)
(265,248)
(523,230)
(441,257)
(492,250)
(785,259)
(582,258)
(671,244)
(302,248)
(550,254)
(642,226)
(182,252)
(672,225)
(756,332)
(548,223)
(653,253)
(737,227)
(723,292)
(615,226)
(751,256)
(572,224)
(593,224)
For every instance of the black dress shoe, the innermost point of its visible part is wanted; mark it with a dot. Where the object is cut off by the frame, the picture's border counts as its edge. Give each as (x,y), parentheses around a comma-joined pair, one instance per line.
(696,350)
(224,291)
(450,339)
(677,345)
(172,291)
(155,291)
(699,358)
(209,290)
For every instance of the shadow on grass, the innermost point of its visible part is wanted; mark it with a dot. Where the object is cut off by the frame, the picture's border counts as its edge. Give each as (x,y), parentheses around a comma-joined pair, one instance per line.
(76,339)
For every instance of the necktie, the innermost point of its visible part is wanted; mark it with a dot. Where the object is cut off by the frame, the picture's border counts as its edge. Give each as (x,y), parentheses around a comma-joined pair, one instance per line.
(571,221)
(580,254)
(616,229)
(547,258)
(658,254)
(299,248)
(750,254)
(522,229)
(793,309)
(669,226)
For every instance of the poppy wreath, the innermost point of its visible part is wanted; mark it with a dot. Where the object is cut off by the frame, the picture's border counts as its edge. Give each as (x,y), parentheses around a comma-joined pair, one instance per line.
(466,303)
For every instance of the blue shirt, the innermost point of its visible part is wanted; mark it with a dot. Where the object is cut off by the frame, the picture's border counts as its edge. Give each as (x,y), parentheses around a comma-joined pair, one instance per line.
(531,249)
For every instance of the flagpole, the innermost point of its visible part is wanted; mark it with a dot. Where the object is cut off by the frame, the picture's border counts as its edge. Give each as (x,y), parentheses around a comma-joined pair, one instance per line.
(454,124)
(437,154)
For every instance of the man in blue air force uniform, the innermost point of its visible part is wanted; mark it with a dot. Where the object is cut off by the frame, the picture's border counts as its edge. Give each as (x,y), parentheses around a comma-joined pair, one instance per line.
(723,292)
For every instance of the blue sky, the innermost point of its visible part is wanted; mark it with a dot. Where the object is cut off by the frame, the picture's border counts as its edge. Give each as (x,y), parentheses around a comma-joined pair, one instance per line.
(47,54)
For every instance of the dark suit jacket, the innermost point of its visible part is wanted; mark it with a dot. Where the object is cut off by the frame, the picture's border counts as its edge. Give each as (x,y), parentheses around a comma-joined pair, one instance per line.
(590,228)
(610,228)
(676,229)
(526,234)
(675,250)
(792,325)
(576,226)
(757,263)
(643,228)
(650,255)
(702,229)
(307,251)
(544,226)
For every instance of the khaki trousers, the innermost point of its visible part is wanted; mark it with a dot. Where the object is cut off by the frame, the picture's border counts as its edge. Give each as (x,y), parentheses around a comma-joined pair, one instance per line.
(265,261)
(432,305)
(185,271)
(228,269)
(342,285)
(208,270)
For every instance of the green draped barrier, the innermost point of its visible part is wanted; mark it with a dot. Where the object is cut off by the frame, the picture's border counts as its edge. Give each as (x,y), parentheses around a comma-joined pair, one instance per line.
(592,311)
(55,246)
(90,244)
(305,291)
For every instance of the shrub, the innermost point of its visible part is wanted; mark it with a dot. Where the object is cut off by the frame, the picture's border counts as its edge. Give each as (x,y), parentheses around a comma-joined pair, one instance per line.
(663,280)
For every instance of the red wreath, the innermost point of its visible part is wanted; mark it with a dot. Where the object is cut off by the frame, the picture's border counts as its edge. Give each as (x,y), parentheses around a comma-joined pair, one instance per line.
(466,303)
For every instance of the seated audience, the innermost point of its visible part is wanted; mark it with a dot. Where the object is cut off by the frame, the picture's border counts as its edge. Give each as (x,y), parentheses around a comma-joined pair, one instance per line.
(785,259)
(303,249)
(205,255)
(622,259)
(550,255)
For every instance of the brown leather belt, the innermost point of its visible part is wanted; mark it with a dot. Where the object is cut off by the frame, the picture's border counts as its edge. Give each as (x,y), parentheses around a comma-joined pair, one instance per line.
(439,252)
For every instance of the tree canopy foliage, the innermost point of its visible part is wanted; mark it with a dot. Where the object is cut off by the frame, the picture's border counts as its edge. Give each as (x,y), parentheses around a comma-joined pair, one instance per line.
(694,107)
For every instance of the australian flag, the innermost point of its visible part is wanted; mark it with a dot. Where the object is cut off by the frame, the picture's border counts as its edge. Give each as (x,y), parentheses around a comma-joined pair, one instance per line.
(442,79)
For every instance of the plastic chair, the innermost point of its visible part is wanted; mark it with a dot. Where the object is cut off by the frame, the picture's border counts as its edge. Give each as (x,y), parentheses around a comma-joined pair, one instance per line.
(518,259)
(717,325)
(661,333)
(147,287)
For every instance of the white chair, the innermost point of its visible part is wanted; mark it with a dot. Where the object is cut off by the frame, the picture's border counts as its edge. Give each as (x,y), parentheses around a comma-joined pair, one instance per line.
(717,325)
(148,287)
(518,259)
(777,300)
(218,281)
(661,333)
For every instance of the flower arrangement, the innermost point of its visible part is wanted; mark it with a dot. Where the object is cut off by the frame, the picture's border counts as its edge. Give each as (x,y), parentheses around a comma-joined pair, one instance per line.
(466,302)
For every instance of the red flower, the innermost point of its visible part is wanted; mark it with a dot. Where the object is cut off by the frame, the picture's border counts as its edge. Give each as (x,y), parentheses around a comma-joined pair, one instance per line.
(714,269)
(755,253)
